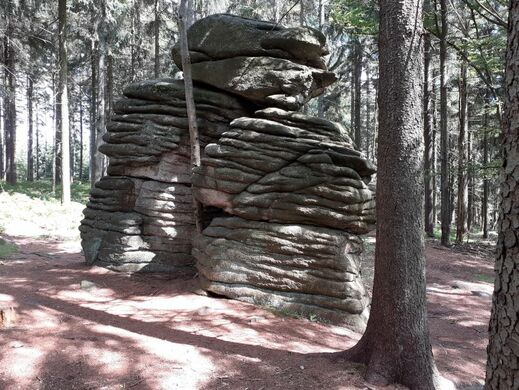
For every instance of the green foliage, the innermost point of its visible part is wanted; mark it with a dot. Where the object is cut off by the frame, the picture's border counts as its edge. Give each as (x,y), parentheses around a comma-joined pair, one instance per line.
(357,16)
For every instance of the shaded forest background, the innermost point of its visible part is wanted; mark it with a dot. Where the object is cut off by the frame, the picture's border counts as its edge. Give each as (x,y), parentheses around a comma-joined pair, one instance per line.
(109,44)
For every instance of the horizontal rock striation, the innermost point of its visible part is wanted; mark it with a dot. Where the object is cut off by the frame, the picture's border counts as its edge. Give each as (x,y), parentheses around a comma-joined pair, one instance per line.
(285,195)
(140,216)
(288,168)
(307,270)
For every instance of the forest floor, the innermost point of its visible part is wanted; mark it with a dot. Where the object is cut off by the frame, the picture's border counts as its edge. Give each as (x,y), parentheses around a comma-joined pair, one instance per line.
(79,327)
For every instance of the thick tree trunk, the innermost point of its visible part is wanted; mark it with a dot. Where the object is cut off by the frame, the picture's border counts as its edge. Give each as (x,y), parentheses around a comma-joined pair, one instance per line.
(503,348)
(30,129)
(190,104)
(10,101)
(461,214)
(63,99)
(427,130)
(444,135)
(396,346)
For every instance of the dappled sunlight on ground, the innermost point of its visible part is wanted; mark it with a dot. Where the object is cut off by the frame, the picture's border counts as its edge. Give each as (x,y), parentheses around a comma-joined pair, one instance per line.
(90,328)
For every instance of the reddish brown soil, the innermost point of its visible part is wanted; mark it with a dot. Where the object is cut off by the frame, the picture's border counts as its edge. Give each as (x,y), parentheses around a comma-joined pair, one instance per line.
(146,332)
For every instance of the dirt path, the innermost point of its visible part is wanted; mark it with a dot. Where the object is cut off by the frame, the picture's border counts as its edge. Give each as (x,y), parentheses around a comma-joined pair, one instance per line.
(144,332)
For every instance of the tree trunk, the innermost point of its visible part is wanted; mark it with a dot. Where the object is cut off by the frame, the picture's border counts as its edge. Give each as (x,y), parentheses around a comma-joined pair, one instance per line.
(2,130)
(157,40)
(37,134)
(470,180)
(368,113)
(100,107)
(484,201)
(444,135)
(396,346)
(190,105)
(30,129)
(428,152)
(10,100)
(80,134)
(63,99)
(357,80)
(462,177)
(503,348)
(93,104)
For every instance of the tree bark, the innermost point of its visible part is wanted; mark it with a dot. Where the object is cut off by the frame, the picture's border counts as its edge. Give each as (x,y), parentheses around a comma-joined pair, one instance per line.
(461,214)
(2,130)
(10,99)
(190,105)
(503,348)
(30,129)
(444,132)
(484,201)
(37,134)
(396,346)
(357,80)
(156,27)
(63,99)
(427,130)
(93,104)
(80,134)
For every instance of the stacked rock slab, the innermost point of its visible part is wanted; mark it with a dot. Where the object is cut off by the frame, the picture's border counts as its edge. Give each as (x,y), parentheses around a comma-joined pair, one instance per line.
(140,217)
(294,190)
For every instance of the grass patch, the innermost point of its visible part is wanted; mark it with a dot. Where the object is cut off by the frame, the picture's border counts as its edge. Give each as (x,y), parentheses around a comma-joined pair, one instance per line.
(7,249)
(31,209)
(42,189)
(485,278)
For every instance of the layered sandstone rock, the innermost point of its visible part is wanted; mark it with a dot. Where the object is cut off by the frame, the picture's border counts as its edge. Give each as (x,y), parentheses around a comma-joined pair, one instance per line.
(260,61)
(285,194)
(140,217)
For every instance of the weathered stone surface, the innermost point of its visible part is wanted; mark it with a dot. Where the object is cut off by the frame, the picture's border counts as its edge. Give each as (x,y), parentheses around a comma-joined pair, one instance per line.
(267,170)
(148,135)
(265,63)
(138,225)
(265,80)
(222,36)
(304,269)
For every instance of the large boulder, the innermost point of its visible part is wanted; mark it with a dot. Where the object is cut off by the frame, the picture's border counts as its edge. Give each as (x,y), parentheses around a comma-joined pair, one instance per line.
(303,269)
(263,62)
(288,168)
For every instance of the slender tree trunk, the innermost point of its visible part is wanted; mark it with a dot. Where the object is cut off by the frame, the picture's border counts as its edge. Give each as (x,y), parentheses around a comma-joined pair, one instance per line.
(100,110)
(461,219)
(58,139)
(396,346)
(444,136)
(156,28)
(80,134)
(54,122)
(368,113)
(37,134)
(484,201)
(30,129)
(427,129)
(2,130)
(10,100)
(190,105)
(93,104)
(503,347)
(470,180)
(357,78)
(63,99)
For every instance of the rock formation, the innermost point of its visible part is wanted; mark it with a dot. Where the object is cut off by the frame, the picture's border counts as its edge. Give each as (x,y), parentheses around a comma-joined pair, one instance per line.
(285,194)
